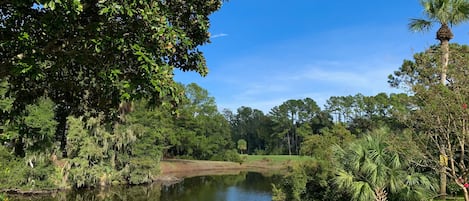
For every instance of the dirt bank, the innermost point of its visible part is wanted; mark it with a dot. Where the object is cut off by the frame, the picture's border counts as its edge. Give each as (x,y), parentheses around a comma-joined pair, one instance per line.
(173,170)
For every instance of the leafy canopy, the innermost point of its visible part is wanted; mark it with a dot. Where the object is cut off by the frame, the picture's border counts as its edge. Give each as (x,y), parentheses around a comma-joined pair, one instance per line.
(90,55)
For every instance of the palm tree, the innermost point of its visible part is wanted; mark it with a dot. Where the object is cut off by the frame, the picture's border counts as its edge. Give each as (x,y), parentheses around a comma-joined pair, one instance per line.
(446,13)
(370,170)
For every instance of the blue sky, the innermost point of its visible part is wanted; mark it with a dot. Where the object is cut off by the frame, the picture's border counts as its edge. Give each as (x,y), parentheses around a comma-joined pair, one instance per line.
(264,52)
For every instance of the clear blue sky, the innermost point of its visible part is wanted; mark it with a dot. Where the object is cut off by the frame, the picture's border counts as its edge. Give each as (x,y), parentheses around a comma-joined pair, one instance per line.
(264,52)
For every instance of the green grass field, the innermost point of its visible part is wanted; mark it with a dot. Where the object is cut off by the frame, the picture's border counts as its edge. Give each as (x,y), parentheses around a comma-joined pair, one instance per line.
(275,159)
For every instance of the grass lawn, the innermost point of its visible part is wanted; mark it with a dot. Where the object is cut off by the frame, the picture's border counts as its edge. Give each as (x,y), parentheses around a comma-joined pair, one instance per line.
(275,159)
(461,198)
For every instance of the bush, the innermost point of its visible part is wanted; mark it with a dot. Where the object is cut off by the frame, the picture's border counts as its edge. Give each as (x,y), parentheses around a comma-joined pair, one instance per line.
(260,152)
(32,173)
(143,170)
(278,194)
(228,155)
(312,180)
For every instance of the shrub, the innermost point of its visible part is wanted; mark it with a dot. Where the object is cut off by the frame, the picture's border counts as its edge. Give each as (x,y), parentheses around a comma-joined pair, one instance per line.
(228,155)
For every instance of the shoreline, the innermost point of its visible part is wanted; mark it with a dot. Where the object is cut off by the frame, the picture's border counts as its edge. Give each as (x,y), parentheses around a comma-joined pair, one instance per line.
(175,170)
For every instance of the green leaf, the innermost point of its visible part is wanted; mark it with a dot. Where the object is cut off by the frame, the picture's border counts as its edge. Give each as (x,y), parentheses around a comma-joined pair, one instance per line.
(50,5)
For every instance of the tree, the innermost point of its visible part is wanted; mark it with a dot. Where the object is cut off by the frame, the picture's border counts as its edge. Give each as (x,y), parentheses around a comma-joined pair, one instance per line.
(439,112)
(320,145)
(371,169)
(202,131)
(322,120)
(292,121)
(242,145)
(6,104)
(253,126)
(89,56)
(446,13)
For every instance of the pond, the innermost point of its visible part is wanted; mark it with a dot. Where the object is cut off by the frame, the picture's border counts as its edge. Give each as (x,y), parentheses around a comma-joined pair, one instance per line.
(246,186)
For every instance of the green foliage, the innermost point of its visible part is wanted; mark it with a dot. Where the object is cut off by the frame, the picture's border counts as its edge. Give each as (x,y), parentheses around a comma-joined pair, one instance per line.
(449,12)
(90,56)
(84,60)
(25,146)
(33,130)
(362,113)
(31,172)
(295,184)
(320,145)
(291,122)
(39,126)
(310,180)
(440,116)
(199,131)
(228,155)
(278,194)
(242,145)
(124,153)
(370,166)
(253,126)
(6,101)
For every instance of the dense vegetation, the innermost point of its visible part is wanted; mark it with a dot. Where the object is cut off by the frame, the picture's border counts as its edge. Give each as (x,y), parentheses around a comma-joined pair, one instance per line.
(87,98)
(87,90)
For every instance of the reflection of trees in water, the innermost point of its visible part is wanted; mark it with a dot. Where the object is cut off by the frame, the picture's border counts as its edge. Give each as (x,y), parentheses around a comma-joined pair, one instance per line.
(215,187)
(118,193)
(198,188)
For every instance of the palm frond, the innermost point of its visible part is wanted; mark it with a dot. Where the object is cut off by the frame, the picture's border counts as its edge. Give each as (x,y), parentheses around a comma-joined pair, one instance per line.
(419,25)
(396,180)
(395,162)
(460,12)
(362,191)
(344,179)
(371,169)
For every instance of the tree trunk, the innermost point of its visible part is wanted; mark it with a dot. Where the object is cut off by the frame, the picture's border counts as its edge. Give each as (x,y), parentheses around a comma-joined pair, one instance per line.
(60,134)
(381,194)
(19,146)
(443,183)
(61,115)
(444,35)
(466,194)
(444,60)
(443,177)
(289,143)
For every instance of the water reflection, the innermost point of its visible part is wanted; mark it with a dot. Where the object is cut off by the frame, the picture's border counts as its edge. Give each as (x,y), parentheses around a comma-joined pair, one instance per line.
(243,187)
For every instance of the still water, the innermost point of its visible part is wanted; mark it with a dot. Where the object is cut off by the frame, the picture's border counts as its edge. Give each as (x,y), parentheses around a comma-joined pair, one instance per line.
(248,186)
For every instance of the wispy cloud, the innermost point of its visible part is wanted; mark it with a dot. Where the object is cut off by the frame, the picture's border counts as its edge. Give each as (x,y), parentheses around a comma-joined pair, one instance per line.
(319,80)
(219,35)
(265,75)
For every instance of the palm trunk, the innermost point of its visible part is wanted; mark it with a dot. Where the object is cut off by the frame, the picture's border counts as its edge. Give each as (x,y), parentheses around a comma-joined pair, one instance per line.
(381,194)
(444,60)
(444,69)
(444,35)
